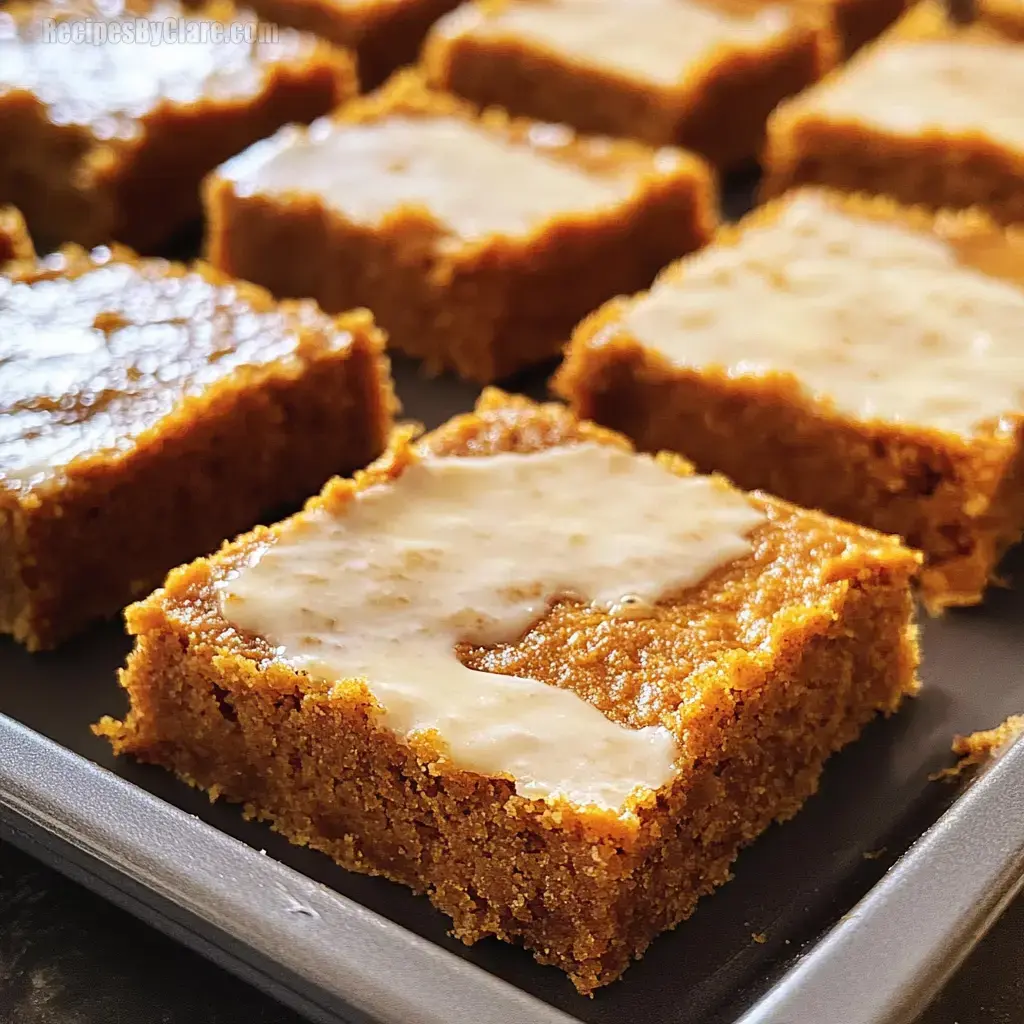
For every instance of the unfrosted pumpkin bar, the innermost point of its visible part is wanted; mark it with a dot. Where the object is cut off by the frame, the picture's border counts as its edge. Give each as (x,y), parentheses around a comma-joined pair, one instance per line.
(846,354)
(384,34)
(552,683)
(147,411)
(703,74)
(930,114)
(477,241)
(106,129)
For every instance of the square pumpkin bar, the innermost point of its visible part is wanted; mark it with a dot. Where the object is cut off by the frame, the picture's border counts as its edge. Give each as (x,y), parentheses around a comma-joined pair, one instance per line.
(552,683)
(384,34)
(147,411)
(931,114)
(703,74)
(477,241)
(106,133)
(881,379)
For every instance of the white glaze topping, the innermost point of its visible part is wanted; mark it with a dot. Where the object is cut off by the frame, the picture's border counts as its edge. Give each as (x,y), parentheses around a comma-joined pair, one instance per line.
(471,180)
(109,85)
(657,41)
(882,321)
(908,87)
(474,550)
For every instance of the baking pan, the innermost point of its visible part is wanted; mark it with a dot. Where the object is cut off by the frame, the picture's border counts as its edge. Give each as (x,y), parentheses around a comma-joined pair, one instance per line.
(815,928)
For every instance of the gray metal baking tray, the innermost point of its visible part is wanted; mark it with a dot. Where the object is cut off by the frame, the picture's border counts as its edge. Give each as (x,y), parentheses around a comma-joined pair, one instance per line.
(855,911)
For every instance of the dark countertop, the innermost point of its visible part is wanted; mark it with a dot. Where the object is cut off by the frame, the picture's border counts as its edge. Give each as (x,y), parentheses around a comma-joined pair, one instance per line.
(67,957)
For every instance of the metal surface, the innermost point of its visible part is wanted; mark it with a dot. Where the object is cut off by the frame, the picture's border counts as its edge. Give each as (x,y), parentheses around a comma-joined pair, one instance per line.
(329,957)
(887,958)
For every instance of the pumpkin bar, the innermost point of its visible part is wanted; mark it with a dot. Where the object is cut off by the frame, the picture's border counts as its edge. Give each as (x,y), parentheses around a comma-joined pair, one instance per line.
(478,242)
(559,705)
(384,34)
(929,115)
(703,74)
(106,135)
(14,241)
(148,410)
(882,378)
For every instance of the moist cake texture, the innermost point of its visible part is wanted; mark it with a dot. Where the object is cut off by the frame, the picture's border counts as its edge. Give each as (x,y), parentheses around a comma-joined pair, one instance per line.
(928,115)
(147,410)
(383,34)
(477,241)
(562,748)
(703,74)
(107,137)
(882,379)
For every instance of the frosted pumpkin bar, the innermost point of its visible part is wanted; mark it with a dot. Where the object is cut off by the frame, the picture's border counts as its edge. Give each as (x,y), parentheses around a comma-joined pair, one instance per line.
(384,34)
(106,135)
(930,114)
(148,410)
(703,74)
(881,379)
(478,242)
(554,684)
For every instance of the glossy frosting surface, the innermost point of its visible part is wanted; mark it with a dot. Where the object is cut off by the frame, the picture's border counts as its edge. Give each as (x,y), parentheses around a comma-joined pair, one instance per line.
(475,550)
(110,85)
(878,320)
(471,180)
(655,41)
(88,363)
(909,87)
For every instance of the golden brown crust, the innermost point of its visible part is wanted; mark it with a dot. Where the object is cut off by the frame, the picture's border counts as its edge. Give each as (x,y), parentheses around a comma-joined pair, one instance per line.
(484,309)
(761,675)
(15,243)
(937,169)
(73,183)
(959,500)
(719,110)
(257,440)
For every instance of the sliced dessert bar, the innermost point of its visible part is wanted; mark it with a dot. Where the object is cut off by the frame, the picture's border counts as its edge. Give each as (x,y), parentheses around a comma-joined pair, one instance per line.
(106,134)
(703,74)
(478,242)
(147,411)
(930,114)
(553,683)
(846,354)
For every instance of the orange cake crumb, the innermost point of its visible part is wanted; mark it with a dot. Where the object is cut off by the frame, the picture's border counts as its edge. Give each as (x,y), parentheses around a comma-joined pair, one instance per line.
(980,747)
